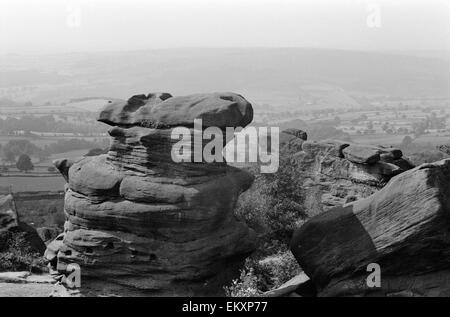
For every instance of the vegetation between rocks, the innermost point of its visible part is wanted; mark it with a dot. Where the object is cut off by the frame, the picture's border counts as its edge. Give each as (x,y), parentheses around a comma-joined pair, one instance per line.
(273,207)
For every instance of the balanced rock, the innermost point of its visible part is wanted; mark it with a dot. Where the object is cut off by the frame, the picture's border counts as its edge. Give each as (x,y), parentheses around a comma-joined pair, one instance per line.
(140,223)
(403,228)
(361,154)
(161,110)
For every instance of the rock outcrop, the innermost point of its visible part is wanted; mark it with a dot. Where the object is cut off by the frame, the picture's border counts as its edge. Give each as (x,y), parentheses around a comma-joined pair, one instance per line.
(337,172)
(140,222)
(404,228)
(10,224)
(291,141)
(161,110)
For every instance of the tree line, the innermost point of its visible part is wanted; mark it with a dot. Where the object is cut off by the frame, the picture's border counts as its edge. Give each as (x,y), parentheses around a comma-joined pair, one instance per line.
(12,151)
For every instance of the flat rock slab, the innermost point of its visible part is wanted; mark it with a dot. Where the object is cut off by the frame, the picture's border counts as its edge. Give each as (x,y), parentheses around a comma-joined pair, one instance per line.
(361,154)
(332,147)
(164,111)
(8,216)
(289,287)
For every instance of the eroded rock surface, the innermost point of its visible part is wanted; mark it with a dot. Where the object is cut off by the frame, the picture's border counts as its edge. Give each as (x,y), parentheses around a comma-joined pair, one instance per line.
(162,110)
(332,175)
(140,222)
(404,228)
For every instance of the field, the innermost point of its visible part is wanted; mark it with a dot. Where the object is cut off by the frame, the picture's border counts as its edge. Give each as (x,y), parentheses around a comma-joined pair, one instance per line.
(39,179)
(36,183)
(43,141)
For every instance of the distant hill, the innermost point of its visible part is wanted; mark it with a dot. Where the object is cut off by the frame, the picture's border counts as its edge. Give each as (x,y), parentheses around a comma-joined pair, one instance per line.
(280,77)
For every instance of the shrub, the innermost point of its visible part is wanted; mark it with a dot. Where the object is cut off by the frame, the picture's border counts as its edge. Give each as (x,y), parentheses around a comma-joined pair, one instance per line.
(273,206)
(245,286)
(264,274)
(24,163)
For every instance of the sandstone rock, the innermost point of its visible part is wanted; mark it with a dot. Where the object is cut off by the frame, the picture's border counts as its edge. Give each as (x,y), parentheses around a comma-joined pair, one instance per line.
(163,111)
(140,223)
(403,228)
(53,248)
(393,153)
(361,154)
(330,180)
(332,147)
(63,166)
(121,112)
(94,176)
(47,234)
(291,140)
(8,215)
(289,287)
(297,133)
(11,224)
(383,169)
(403,163)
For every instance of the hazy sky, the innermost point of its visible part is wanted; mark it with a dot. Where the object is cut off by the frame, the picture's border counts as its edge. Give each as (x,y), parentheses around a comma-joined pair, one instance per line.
(44,26)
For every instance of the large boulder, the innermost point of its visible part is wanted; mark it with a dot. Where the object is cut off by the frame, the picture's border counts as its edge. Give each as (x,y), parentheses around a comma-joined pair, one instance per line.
(140,223)
(361,154)
(161,110)
(404,228)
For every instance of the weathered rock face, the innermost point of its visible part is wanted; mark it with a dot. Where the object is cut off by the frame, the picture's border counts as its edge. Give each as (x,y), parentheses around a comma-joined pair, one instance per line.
(404,228)
(337,172)
(162,110)
(10,223)
(138,220)
(291,141)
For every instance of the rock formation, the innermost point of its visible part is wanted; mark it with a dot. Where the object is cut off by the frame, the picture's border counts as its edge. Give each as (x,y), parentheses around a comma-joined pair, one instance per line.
(404,228)
(138,221)
(8,215)
(10,224)
(337,172)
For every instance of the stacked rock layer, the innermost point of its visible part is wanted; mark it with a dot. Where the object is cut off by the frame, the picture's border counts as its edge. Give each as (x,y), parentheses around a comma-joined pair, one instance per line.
(337,172)
(138,220)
